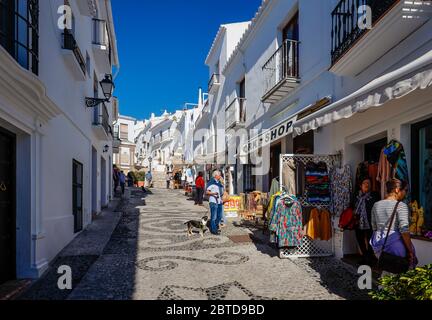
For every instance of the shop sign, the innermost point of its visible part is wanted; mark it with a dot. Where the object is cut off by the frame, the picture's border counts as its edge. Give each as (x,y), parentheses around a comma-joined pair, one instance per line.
(277,132)
(233,205)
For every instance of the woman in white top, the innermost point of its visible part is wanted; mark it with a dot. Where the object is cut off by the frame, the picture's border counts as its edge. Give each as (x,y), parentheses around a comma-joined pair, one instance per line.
(399,239)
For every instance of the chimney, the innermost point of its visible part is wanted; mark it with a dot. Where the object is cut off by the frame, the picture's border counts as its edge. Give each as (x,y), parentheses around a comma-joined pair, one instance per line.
(200,98)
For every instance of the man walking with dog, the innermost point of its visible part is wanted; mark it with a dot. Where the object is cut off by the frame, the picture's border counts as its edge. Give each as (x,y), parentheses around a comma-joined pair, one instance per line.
(215,192)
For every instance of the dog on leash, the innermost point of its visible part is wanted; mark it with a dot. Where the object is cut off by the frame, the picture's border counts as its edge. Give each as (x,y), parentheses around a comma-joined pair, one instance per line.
(201,225)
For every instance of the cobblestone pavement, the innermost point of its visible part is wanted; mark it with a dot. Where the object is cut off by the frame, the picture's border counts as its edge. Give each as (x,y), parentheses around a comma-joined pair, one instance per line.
(149,256)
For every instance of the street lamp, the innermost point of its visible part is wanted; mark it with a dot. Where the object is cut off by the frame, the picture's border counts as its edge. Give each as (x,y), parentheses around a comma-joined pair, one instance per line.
(106,149)
(108,86)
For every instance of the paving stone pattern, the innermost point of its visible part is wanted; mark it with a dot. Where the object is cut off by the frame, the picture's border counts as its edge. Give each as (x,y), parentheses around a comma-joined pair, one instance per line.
(141,251)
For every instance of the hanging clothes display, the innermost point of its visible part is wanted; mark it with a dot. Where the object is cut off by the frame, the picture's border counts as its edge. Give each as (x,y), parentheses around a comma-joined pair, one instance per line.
(300,178)
(287,222)
(384,173)
(317,182)
(319,226)
(294,177)
(373,174)
(275,187)
(341,189)
(396,157)
(362,172)
(289,177)
(272,204)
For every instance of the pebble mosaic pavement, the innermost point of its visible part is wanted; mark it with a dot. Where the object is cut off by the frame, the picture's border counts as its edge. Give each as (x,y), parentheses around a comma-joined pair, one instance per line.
(142,252)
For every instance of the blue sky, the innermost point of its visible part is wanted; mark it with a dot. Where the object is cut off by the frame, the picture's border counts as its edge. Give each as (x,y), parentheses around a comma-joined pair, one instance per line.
(162,48)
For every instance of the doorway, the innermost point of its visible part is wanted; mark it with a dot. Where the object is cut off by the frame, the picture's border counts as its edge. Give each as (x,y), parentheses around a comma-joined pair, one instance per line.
(77,195)
(275,153)
(94,181)
(103,182)
(7,206)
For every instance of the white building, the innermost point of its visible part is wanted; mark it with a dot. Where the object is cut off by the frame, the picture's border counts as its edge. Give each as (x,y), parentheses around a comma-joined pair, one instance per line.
(313,81)
(210,124)
(125,158)
(56,152)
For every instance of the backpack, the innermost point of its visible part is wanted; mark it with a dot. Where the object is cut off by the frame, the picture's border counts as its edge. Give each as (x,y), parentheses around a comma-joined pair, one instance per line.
(348,220)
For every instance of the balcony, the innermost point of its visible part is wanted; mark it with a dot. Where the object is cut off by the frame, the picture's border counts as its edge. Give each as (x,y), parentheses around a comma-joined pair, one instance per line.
(354,47)
(101,45)
(101,122)
(235,114)
(214,83)
(73,56)
(281,72)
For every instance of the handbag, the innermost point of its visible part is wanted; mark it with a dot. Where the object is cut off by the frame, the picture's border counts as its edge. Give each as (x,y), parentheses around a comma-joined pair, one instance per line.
(390,262)
(348,220)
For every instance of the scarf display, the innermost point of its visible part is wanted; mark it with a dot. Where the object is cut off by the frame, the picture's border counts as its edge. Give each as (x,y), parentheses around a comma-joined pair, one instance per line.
(396,156)
(361,211)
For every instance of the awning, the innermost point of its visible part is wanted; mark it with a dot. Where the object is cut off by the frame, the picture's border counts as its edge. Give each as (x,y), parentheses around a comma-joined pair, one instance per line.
(394,85)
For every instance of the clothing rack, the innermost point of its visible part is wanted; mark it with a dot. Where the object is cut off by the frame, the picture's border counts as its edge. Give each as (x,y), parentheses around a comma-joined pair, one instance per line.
(310,248)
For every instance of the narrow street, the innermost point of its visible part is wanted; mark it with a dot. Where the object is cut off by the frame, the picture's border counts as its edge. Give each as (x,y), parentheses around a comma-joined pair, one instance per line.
(140,251)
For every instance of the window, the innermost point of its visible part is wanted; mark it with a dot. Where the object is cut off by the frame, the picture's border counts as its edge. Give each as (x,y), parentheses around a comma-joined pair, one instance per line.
(19,27)
(124,131)
(291,30)
(77,195)
(249,183)
(125,156)
(422,168)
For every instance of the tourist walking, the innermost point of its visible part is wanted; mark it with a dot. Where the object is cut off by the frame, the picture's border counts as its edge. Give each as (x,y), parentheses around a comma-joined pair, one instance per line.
(116,178)
(130,178)
(392,236)
(122,179)
(149,179)
(223,222)
(200,186)
(168,180)
(215,192)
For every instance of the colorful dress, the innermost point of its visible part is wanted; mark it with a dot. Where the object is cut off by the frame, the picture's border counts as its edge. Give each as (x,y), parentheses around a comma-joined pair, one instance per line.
(396,157)
(341,189)
(287,222)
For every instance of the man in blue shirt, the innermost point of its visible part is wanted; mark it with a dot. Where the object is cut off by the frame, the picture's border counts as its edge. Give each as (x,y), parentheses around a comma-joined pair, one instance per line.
(215,193)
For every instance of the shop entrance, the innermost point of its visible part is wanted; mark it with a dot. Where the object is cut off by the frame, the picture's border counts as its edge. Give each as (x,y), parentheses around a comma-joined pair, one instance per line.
(275,153)
(304,144)
(422,168)
(7,206)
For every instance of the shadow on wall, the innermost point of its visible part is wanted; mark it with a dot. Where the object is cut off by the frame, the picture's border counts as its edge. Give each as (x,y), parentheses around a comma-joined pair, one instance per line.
(110,275)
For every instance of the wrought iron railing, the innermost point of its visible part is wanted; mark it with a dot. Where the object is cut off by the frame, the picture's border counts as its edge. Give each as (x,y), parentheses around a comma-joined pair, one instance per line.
(214,80)
(69,43)
(101,118)
(283,64)
(235,113)
(345,22)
